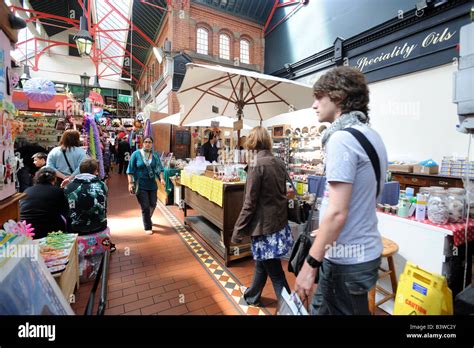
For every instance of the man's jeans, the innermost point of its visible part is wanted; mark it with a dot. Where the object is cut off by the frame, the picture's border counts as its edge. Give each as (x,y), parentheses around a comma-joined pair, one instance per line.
(343,289)
(147,200)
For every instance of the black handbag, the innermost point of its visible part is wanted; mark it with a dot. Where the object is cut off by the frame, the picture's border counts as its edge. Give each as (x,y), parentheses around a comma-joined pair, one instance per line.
(298,210)
(301,247)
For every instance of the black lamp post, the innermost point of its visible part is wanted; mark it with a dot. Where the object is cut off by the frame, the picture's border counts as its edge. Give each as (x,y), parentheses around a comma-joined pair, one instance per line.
(84,84)
(83,38)
(96,82)
(25,76)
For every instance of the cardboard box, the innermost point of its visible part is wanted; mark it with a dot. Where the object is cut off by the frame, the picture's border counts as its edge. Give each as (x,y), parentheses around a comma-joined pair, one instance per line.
(403,168)
(419,169)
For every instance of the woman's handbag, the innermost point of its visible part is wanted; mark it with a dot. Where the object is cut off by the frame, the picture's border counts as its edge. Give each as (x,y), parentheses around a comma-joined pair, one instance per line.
(301,247)
(298,210)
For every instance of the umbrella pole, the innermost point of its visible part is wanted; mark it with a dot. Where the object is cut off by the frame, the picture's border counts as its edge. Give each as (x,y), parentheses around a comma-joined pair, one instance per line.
(240,109)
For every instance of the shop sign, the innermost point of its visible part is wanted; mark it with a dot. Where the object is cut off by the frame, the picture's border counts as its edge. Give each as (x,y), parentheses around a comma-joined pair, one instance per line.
(238,125)
(431,41)
(123,98)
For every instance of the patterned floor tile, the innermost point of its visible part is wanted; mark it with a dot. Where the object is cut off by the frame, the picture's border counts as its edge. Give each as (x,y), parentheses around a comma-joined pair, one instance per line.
(229,285)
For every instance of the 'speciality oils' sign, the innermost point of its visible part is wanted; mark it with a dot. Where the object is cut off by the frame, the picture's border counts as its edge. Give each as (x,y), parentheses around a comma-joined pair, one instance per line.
(421,47)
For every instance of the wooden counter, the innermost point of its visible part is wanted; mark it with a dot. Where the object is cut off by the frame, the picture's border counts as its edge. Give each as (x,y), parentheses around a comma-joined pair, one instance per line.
(421,180)
(10,208)
(215,224)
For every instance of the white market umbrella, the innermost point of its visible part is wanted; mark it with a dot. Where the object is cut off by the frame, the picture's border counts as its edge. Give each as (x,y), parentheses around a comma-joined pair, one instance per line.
(300,118)
(250,95)
(172,119)
(224,121)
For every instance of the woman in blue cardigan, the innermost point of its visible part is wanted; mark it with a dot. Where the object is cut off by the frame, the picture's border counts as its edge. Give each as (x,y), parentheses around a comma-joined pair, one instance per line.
(143,170)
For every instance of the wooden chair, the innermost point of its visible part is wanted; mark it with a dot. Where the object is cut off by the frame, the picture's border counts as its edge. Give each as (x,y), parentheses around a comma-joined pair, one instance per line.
(390,248)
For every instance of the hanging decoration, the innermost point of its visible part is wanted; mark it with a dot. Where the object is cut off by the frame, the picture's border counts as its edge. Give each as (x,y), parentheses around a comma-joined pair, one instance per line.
(147,132)
(96,99)
(91,132)
(39,90)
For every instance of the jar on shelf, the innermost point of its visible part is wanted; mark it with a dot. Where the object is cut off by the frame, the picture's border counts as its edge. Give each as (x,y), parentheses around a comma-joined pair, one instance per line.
(426,191)
(456,204)
(438,211)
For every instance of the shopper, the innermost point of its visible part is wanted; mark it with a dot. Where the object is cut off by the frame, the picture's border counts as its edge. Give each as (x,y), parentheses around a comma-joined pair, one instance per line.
(123,153)
(86,196)
(66,158)
(25,151)
(264,217)
(39,159)
(44,206)
(143,170)
(209,150)
(348,245)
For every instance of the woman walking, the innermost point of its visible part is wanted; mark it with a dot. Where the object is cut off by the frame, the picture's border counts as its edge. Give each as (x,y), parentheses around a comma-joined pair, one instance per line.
(143,170)
(66,158)
(264,216)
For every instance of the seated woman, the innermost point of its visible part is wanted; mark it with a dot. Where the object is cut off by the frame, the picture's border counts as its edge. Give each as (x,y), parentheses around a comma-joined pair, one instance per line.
(45,205)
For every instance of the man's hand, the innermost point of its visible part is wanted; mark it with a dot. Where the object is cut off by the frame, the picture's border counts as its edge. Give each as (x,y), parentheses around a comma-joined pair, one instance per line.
(65,182)
(131,188)
(305,281)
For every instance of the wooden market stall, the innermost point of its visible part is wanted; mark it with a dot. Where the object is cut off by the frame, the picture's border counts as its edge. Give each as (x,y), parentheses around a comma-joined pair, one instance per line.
(218,205)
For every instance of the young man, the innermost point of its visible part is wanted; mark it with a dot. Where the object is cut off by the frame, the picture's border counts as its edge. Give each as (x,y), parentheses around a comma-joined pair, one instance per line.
(39,159)
(209,150)
(347,248)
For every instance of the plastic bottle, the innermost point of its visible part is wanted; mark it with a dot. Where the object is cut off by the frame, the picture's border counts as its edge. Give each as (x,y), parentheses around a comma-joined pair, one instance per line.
(420,207)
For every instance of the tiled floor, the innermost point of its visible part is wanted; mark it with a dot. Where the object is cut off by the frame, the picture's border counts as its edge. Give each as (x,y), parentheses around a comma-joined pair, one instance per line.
(159,274)
(169,272)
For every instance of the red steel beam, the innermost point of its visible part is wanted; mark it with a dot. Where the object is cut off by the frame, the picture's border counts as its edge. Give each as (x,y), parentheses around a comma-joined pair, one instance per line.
(300,4)
(159,7)
(270,17)
(135,59)
(135,28)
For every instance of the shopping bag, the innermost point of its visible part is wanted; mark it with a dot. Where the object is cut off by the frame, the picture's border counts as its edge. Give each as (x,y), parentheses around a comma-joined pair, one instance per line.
(290,304)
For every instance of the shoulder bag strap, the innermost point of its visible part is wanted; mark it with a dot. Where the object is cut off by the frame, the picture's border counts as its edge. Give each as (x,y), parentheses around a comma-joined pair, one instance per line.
(370,150)
(67,161)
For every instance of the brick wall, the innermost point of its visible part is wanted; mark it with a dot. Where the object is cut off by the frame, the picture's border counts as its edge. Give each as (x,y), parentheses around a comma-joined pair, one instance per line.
(180,28)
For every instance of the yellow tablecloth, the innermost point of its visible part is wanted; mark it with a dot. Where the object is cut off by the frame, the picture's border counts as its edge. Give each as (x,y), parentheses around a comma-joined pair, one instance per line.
(205,186)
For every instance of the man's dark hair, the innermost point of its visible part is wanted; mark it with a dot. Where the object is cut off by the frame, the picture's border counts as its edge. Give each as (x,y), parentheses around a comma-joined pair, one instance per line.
(346,87)
(89,165)
(40,155)
(211,135)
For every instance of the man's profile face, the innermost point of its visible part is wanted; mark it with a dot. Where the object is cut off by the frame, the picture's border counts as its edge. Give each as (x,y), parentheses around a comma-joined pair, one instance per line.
(326,110)
(39,162)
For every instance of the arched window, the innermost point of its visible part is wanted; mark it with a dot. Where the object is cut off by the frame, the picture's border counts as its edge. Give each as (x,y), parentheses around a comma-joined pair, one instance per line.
(202,41)
(244,51)
(224,46)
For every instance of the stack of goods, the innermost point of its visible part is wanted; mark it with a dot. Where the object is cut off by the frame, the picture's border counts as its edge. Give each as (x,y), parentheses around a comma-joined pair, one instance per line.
(55,250)
(436,204)
(454,166)
(40,128)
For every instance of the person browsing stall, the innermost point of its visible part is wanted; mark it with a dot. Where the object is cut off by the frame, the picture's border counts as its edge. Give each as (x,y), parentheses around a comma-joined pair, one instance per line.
(39,159)
(66,158)
(348,215)
(209,150)
(264,217)
(44,206)
(143,170)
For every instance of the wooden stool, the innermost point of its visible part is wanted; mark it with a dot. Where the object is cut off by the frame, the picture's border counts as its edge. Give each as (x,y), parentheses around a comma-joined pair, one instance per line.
(390,248)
